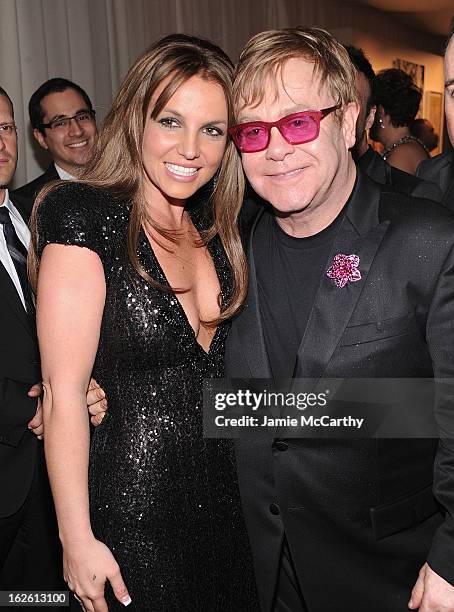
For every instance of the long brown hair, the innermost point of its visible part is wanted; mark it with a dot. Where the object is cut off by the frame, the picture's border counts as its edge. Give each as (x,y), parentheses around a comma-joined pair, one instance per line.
(116,163)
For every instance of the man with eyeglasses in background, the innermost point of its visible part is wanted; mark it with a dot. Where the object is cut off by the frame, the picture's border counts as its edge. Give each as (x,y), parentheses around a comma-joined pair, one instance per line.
(63,121)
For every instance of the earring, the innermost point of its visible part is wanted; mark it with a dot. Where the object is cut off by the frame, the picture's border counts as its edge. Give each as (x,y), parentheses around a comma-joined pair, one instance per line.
(380,121)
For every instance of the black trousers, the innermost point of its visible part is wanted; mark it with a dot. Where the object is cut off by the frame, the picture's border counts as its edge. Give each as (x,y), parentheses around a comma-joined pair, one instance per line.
(288,596)
(30,551)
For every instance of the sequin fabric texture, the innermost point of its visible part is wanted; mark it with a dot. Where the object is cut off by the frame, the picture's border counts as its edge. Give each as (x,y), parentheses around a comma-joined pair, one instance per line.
(162,498)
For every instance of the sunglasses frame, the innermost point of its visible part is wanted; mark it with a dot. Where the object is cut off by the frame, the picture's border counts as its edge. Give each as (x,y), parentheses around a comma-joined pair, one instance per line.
(318,115)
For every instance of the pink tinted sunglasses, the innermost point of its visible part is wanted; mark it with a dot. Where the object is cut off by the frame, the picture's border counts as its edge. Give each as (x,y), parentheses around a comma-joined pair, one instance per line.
(297,128)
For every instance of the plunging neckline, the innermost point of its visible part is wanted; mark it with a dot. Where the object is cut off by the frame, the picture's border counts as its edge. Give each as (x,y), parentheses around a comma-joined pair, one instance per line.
(179,306)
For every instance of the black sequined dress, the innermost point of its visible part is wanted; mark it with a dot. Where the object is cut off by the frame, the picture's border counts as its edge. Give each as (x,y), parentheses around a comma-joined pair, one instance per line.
(163,498)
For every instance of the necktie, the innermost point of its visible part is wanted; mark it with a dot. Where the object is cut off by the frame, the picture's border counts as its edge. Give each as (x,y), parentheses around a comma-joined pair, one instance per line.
(18,254)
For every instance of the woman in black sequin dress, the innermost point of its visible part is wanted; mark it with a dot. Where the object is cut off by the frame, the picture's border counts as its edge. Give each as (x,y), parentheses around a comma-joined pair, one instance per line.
(154,282)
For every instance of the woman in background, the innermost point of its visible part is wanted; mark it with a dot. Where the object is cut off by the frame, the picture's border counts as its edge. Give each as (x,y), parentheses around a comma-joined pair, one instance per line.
(397,99)
(140,270)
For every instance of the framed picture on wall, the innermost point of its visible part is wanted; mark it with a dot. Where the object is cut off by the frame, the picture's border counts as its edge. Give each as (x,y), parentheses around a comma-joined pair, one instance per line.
(433,111)
(416,71)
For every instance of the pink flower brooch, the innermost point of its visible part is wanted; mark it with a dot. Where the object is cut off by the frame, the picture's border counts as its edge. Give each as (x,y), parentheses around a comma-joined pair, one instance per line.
(344,269)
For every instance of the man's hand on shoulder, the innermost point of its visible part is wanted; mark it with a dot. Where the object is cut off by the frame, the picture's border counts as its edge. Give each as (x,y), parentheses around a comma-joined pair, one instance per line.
(431,593)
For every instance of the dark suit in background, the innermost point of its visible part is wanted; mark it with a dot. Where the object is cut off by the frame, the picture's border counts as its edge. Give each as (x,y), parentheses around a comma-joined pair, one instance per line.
(372,164)
(359,516)
(440,170)
(29,191)
(30,556)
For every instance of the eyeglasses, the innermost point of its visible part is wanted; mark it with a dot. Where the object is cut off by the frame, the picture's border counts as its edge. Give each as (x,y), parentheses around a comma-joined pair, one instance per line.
(64,122)
(297,128)
(7,130)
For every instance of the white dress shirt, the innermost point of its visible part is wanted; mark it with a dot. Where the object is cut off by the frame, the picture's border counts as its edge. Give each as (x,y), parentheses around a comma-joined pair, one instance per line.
(65,176)
(23,234)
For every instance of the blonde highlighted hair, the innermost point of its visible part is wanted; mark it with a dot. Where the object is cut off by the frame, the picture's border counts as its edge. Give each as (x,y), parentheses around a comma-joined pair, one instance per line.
(116,163)
(264,56)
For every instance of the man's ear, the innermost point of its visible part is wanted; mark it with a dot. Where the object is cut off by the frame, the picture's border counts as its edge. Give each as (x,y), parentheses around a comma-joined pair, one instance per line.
(40,138)
(351,112)
(371,117)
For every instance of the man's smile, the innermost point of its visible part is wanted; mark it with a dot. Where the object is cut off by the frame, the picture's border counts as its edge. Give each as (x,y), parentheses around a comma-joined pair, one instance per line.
(77,145)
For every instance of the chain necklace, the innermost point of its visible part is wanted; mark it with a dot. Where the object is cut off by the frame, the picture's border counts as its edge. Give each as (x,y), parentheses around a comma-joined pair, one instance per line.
(403,140)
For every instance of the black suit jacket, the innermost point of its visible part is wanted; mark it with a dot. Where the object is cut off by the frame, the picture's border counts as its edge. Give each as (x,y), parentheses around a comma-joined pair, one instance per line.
(359,515)
(380,171)
(27,193)
(440,170)
(19,370)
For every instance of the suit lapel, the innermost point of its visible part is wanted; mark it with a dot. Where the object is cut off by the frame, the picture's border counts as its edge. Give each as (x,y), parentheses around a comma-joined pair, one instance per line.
(249,324)
(9,290)
(21,206)
(376,168)
(359,234)
(51,173)
(10,295)
(446,174)
(448,198)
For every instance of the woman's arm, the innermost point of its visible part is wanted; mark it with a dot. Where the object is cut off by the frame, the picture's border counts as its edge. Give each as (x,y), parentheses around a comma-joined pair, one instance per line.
(70,302)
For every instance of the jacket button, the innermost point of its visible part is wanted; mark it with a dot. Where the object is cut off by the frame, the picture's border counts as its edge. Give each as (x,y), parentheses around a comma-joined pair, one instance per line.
(280,445)
(274,509)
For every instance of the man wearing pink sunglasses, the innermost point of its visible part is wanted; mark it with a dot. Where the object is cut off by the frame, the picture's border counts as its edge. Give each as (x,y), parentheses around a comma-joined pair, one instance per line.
(347,279)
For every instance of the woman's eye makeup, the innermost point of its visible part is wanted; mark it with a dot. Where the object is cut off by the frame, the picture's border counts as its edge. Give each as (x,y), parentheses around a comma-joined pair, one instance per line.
(169,122)
(172,123)
(214,131)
